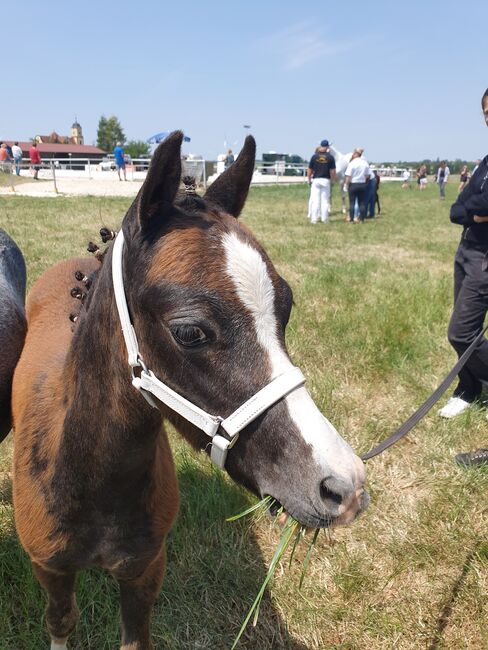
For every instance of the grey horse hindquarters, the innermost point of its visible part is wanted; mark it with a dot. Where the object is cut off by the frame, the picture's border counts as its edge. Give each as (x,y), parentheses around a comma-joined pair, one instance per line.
(13,324)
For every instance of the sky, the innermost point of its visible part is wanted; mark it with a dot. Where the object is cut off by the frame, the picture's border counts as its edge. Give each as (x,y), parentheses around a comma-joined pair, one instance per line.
(401,79)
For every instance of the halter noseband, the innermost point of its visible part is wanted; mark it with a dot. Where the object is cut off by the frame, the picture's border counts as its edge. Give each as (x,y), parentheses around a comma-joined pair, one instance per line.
(223,432)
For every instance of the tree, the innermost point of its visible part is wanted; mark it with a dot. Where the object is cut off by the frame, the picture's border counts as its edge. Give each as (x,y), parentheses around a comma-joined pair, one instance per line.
(136,148)
(109,133)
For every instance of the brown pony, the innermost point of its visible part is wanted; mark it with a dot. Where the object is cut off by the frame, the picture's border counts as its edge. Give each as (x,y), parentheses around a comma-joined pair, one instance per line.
(94,482)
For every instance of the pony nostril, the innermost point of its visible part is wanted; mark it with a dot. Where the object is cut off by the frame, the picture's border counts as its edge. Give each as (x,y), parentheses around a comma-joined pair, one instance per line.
(329,495)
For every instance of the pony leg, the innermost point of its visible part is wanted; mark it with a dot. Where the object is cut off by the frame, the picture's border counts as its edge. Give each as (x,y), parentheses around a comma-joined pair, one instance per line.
(61,611)
(137,598)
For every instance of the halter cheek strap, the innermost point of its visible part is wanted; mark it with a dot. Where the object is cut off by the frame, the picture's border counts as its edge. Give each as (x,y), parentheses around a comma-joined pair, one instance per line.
(223,432)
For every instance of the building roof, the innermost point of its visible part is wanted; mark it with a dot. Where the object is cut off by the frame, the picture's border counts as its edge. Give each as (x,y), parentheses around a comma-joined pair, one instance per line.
(49,148)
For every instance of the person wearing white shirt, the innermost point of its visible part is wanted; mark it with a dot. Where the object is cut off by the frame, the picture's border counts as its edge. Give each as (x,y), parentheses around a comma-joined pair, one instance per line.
(356,177)
(17,155)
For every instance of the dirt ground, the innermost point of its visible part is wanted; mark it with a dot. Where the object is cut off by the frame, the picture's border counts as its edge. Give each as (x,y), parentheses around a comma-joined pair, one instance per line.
(72,187)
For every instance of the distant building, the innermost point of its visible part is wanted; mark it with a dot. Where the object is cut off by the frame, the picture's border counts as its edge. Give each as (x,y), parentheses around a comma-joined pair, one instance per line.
(62,147)
(76,136)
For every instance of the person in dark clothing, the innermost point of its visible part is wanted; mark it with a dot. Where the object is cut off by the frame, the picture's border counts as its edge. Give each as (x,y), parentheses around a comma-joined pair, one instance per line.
(470,286)
(372,198)
(321,173)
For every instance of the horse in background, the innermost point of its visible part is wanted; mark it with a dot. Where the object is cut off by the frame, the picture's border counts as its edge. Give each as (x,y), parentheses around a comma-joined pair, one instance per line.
(187,298)
(13,323)
(342,161)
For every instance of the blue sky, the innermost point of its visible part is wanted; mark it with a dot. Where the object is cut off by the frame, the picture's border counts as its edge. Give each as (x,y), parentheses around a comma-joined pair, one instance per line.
(402,79)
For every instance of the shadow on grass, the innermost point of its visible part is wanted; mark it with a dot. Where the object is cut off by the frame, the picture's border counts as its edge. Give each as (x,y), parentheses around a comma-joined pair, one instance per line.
(446,612)
(215,570)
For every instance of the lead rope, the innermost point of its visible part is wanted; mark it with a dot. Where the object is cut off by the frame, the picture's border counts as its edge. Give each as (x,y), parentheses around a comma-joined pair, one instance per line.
(422,411)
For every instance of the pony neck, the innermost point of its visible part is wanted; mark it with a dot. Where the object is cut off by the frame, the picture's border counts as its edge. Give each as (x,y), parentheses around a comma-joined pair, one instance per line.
(103,397)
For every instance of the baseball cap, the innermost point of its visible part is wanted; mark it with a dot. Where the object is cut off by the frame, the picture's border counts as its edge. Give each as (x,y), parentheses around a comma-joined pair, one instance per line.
(324,143)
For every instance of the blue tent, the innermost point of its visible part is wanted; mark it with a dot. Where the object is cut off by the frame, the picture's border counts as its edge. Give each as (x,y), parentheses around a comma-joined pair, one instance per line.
(159,137)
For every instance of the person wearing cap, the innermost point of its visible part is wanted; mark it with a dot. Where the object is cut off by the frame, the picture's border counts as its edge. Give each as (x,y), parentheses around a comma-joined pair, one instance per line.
(470,287)
(119,159)
(321,173)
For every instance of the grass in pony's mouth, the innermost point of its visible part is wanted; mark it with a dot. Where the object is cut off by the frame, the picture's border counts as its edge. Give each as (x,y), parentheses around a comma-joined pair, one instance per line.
(292,532)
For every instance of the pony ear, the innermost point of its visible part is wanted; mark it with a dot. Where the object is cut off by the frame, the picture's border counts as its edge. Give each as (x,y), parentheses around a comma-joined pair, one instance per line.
(229,190)
(157,194)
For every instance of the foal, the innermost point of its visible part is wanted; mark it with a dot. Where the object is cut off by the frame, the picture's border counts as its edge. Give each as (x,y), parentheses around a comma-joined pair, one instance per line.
(94,482)
(12,322)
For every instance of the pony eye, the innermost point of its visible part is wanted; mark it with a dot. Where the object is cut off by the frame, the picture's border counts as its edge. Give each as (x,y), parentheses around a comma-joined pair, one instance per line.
(188,335)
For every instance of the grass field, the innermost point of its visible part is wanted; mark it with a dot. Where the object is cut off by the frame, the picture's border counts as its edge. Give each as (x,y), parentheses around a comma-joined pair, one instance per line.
(368,330)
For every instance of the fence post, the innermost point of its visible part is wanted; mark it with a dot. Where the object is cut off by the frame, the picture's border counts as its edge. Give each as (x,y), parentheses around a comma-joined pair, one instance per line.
(53,169)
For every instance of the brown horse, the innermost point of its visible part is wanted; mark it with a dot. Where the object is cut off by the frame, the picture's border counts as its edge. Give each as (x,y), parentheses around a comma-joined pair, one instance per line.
(94,482)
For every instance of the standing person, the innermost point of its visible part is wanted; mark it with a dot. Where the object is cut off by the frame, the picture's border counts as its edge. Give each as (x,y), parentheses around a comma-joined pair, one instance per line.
(356,176)
(377,196)
(119,159)
(321,173)
(229,159)
(463,178)
(17,154)
(470,286)
(441,178)
(422,177)
(371,194)
(35,158)
(5,160)
(406,180)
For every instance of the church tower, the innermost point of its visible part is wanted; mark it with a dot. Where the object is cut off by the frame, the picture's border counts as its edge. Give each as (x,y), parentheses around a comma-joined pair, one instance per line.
(76,133)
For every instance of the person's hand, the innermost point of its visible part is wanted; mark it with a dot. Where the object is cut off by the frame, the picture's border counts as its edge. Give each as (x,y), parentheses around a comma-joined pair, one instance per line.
(478,219)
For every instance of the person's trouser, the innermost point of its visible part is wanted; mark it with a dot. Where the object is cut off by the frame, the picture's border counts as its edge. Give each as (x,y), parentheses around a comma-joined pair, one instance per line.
(370,197)
(442,189)
(320,199)
(357,191)
(17,165)
(470,308)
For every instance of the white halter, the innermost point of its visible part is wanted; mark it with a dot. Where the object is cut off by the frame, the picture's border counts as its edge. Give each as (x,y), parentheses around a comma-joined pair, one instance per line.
(148,384)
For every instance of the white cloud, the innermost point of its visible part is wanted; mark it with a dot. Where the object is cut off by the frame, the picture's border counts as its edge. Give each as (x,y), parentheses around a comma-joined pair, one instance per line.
(303,43)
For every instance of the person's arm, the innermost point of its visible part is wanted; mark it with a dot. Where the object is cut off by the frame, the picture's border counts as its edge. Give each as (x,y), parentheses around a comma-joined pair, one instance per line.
(347,180)
(332,168)
(471,203)
(310,169)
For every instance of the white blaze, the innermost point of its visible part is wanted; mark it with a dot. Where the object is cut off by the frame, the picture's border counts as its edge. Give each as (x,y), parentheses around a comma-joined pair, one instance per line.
(255,289)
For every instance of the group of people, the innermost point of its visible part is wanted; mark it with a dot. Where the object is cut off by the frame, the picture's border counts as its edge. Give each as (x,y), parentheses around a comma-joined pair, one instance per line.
(441,177)
(470,211)
(10,155)
(360,184)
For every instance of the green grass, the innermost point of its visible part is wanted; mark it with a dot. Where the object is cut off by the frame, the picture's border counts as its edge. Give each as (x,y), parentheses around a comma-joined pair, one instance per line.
(368,330)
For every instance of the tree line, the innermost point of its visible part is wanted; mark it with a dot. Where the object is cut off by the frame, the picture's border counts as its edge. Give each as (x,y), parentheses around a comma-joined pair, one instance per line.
(110,132)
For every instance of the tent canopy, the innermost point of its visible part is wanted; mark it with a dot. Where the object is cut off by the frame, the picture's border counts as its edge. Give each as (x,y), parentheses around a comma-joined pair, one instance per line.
(159,137)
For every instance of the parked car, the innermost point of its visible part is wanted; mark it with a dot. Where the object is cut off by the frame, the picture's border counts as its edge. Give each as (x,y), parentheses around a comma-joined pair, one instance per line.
(108,163)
